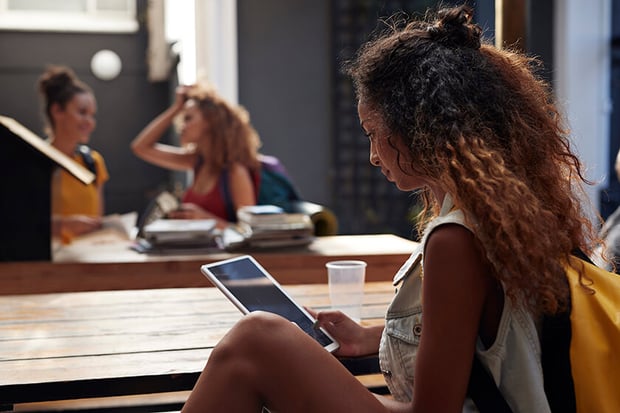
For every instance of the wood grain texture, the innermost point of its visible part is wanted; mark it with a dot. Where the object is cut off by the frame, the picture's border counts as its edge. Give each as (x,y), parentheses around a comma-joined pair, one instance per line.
(113,343)
(92,265)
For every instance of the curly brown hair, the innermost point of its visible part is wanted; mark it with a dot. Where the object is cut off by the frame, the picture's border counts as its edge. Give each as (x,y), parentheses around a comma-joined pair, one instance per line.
(480,122)
(232,138)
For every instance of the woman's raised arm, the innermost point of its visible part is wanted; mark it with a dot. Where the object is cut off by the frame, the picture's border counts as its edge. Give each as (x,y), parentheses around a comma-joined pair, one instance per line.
(147,147)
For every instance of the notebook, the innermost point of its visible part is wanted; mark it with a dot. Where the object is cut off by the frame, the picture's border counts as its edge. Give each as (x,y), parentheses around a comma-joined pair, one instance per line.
(180,231)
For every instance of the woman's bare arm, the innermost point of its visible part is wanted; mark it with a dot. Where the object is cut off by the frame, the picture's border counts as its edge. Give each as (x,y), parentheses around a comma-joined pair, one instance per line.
(147,147)
(241,186)
(456,283)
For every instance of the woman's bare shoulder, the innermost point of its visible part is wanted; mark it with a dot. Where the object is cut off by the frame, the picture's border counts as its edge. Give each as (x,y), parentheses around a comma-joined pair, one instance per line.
(454,246)
(238,169)
(450,235)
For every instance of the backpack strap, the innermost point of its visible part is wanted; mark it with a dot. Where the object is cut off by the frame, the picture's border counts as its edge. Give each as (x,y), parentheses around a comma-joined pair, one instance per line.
(224,185)
(555,359)
(483,390)
(582,255)
(555,356)
(87,156)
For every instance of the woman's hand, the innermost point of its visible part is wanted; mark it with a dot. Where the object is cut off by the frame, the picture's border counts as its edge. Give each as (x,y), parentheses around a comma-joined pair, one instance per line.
(190,211)
(66,228)
(193,211)
(80,224)
(180,97)
(355,340)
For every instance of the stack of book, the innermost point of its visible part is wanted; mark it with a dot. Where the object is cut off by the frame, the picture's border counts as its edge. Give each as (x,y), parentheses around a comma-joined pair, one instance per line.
(270,226)
(179,236)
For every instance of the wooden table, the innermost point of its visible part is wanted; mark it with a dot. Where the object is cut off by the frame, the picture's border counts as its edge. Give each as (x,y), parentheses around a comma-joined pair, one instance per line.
(108,264)
(117,343)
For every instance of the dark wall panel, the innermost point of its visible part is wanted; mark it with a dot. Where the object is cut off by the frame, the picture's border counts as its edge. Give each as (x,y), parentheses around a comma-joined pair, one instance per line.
(284,82)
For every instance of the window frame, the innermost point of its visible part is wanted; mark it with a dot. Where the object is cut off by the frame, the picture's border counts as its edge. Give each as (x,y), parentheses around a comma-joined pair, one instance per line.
(92,20)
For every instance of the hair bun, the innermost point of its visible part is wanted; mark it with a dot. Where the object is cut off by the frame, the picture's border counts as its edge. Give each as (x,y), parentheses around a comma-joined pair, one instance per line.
(453,28)
(55,80)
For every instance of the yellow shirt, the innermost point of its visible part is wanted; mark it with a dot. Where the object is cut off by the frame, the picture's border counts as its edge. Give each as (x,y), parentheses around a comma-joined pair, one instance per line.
(71,197)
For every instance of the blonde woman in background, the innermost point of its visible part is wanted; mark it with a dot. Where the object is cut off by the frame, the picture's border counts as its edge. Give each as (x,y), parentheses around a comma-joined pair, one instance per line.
(218,144)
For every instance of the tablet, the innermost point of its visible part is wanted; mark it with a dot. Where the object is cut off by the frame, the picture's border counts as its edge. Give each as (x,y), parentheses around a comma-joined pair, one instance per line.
(251,288)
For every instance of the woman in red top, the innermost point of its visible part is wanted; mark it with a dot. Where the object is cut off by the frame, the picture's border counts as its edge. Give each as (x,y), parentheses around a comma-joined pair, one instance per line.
(217,143)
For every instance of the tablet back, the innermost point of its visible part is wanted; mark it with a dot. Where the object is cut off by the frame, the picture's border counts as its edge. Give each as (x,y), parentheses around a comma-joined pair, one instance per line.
(251,288)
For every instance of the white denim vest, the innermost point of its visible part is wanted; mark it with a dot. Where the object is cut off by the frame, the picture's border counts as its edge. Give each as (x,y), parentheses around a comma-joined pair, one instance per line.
(513,360)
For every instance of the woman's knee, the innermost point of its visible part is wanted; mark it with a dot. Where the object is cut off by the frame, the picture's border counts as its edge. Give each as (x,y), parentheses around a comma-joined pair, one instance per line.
(263,328)
(254,333)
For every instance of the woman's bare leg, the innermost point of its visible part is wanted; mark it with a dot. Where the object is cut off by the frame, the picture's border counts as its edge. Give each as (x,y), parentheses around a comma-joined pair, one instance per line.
(266,360)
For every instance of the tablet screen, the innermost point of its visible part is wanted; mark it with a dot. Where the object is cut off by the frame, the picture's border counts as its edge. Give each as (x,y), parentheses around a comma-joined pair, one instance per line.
(251,288)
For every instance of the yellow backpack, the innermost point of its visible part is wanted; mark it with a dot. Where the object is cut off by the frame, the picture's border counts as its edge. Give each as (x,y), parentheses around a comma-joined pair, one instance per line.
(595,341)
(580,349)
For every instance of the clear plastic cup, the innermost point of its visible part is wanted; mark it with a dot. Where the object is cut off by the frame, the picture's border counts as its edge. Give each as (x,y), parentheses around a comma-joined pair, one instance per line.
(346,286)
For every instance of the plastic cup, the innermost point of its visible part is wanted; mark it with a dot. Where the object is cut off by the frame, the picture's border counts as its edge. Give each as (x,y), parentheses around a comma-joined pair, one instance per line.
(346,286)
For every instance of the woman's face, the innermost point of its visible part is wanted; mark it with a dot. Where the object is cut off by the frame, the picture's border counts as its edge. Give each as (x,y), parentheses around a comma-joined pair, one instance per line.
(76,122)
(386,155)
(194,125)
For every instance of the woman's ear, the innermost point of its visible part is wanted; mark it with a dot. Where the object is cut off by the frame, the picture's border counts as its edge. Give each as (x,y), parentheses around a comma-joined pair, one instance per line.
(56,109)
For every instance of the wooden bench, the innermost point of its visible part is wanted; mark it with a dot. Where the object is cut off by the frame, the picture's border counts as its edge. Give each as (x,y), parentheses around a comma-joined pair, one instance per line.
(83,348)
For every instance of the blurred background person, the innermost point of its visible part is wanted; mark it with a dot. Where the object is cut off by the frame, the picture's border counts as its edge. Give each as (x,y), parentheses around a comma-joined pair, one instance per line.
(69,109)
(608,254)
(218,144)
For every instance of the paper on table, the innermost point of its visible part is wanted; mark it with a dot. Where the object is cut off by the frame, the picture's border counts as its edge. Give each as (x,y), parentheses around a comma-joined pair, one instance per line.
(123,223)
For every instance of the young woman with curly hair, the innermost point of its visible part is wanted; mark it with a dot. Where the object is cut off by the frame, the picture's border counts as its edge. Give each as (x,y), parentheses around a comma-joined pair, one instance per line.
(218,142)
(472,129)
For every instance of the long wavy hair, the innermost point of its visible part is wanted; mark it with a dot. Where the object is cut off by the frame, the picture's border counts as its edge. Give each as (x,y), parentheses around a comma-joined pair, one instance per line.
(479,122)
(231,137)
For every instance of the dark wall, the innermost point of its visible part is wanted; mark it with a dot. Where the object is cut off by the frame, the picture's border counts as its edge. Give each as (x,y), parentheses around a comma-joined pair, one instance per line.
(284,82)
(125,104)
(540,34)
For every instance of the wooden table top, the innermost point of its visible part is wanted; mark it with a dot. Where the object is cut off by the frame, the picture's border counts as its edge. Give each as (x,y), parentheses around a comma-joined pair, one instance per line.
(109,264)
(106,343)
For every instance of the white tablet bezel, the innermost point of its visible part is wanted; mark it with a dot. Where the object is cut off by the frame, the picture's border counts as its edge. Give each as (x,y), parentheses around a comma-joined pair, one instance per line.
(213,278)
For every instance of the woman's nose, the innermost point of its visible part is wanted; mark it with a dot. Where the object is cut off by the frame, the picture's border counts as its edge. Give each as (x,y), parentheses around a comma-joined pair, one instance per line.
(374,159)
